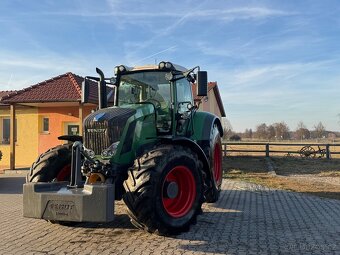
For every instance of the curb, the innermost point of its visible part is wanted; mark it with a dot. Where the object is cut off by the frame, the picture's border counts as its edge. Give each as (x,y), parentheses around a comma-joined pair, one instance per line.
(14,172)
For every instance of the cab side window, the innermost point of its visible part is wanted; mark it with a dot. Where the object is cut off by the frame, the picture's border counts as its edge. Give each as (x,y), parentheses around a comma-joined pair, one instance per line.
(184,95)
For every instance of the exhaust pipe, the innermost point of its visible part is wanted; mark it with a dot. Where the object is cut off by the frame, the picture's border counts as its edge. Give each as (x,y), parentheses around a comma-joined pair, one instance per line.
(102,100)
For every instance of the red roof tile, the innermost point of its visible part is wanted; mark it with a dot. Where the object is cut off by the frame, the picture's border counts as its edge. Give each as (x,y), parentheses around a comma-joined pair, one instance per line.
(5,93)
(63,88)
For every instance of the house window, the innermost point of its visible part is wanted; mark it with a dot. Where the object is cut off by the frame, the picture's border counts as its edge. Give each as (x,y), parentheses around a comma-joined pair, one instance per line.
(45,125)
(5,130)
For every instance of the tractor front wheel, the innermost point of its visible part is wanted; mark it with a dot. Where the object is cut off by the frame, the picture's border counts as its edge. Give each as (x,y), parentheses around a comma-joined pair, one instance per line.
(164,190)
(53,165)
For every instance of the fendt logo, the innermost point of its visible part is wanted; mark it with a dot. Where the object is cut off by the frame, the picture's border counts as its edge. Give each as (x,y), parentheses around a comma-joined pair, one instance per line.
(93,130)
(61,208)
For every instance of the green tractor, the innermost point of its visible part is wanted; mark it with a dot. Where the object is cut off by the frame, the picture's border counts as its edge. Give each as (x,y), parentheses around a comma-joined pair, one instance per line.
(146,144)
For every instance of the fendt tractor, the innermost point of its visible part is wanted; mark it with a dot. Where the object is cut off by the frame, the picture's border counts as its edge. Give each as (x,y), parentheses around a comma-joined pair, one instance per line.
(146,144)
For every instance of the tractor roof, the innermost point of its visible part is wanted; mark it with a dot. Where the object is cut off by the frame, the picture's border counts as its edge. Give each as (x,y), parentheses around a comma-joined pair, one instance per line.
(153,67)
(156,67)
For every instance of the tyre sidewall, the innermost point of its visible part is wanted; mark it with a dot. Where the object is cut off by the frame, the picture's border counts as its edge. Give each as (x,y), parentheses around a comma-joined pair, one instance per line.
(163,216)
(215,140)
(48,165)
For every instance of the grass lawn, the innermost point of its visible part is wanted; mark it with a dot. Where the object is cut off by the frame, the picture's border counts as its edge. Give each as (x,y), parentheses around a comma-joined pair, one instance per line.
(319,177)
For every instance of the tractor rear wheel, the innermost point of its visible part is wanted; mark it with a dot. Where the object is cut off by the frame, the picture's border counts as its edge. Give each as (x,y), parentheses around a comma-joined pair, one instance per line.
(164,190)
(53,165)
(215,155)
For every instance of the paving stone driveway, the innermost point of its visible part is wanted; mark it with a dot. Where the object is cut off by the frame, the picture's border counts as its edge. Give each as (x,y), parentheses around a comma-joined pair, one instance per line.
(248,219)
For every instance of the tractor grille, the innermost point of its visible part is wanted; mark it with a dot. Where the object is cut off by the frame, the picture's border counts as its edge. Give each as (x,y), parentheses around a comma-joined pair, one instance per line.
(104,127)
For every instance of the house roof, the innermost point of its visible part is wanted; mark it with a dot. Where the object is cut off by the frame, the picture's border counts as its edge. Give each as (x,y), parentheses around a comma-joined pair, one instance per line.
(62,88)
(5,93)
(211,86)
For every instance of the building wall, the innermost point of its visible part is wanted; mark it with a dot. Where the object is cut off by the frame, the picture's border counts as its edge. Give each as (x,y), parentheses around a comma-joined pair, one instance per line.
(31,140)
(211,105)
(59,118)
(26,147)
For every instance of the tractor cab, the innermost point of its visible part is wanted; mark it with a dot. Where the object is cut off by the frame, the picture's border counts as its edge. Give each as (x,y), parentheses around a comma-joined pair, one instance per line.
(166,86)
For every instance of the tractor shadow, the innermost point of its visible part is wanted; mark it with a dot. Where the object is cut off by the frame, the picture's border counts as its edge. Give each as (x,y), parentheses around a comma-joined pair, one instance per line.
(121,221)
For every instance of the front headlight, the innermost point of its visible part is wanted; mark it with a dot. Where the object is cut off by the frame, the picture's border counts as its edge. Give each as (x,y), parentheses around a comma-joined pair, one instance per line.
(89,152)
(111,151)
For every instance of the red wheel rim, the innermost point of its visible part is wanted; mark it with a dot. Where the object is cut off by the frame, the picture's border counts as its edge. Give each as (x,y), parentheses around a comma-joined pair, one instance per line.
(217,163)
(65,172)
(180,205)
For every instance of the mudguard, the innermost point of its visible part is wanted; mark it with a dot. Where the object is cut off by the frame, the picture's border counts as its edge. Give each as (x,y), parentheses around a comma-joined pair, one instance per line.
(203,124)
(189,144)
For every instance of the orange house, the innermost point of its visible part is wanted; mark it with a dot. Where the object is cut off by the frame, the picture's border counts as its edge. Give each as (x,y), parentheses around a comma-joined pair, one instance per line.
(53,108)
(42,112)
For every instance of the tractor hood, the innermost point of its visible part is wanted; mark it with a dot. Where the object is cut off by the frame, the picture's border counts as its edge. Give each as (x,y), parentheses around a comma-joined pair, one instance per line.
(106,126)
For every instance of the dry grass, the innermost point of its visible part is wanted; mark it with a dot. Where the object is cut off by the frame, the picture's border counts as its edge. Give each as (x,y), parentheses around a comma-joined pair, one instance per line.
(315,176)
(297,166)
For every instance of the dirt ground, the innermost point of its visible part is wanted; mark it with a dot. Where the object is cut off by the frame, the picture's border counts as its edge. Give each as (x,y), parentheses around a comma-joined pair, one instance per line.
(319,177)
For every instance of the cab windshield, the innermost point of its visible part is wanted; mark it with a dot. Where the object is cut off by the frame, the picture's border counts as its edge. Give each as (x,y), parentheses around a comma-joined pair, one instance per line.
(144,87)
(151,87)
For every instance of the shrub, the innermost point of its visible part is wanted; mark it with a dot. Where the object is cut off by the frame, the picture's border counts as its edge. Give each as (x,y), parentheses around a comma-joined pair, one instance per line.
(235,138)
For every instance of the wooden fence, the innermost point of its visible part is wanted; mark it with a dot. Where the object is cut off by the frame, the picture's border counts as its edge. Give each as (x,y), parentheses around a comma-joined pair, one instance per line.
(281,149)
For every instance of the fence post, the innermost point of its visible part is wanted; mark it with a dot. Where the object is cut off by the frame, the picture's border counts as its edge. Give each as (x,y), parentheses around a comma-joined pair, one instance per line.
(267,150)
(328,153)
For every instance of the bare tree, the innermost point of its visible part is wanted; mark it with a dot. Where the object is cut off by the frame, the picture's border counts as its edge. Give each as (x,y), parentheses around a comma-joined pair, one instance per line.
(319,130)
(271,132)
(301,131)
(248,133)
(281,130)
(261,131)
(227,128)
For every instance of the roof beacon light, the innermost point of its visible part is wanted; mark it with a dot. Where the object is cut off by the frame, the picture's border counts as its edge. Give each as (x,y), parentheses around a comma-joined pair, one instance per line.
(116,70)
(120,69)
(168,65)
(161,65)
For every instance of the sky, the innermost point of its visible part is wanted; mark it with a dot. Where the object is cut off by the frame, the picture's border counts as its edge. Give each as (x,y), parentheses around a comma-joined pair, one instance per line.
(273,60)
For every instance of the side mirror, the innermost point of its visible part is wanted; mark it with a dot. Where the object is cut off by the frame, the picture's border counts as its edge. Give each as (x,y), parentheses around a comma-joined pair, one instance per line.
(85,91)
(202,83)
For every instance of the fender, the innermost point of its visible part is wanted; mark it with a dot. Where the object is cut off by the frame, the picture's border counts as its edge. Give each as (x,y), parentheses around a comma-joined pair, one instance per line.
(186,142)
(71,138)
(203,123)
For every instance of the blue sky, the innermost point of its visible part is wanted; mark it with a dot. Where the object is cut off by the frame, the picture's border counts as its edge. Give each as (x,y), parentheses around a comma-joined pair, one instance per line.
(273,60)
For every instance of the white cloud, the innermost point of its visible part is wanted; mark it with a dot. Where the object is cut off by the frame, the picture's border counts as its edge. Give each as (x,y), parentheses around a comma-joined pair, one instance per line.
(19,71)
(214,14)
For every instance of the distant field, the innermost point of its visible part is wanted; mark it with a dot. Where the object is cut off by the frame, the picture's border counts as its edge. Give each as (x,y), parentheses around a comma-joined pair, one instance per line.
(287,148)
